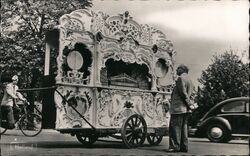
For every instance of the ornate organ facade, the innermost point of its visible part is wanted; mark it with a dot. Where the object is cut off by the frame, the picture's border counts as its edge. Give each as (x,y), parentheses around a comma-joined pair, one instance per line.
(108,69)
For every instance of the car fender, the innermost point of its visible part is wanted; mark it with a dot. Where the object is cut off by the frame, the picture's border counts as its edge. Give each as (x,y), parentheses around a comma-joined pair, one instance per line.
(217,119)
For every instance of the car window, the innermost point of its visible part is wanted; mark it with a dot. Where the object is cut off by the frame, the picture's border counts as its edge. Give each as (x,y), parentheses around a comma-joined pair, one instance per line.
(235,106)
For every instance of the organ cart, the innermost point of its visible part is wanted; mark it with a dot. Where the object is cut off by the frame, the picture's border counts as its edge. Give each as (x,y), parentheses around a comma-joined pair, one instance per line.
(109,74)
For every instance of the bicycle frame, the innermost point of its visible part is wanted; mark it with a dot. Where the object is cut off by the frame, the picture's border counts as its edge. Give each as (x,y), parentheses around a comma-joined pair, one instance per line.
(27,120)
(22,112)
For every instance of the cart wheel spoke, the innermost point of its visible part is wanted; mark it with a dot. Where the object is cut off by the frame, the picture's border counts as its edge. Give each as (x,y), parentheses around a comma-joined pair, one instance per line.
(137,142)
(129,131)
(130,138)
(141,128)
(153,139)
(133,124)
(136,119)
(133,141)
(139,123)
(130,126)
(129,134)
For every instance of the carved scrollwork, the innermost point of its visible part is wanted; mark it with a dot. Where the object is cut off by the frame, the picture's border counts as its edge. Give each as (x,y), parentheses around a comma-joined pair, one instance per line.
(122,26)
(161,112)
(114,106)
(78,20)
(72,23)
(75,63)
(98,23)
(77,98)
(122,38)
(112,50)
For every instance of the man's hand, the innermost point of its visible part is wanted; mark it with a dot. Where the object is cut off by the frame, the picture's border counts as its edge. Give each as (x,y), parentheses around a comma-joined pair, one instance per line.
(26,101)
(193,106)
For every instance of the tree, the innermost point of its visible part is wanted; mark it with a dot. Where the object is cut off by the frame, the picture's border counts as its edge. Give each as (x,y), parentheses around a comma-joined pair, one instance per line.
(23,27)
(226,77)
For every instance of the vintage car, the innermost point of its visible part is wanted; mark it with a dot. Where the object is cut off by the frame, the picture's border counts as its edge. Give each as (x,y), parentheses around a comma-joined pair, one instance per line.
(226,120)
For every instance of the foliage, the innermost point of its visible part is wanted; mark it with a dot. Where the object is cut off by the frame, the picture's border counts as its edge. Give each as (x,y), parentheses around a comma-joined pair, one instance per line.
(226,77)
(23,27)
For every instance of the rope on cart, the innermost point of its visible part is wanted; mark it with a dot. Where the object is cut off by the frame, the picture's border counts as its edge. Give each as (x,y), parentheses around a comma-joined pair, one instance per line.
(36,89)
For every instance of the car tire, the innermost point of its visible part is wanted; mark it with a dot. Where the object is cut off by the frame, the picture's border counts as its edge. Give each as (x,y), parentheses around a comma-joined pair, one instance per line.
(218,132)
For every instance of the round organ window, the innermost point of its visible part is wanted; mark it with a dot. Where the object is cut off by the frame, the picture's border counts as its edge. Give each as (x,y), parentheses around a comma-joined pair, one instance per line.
(75,60)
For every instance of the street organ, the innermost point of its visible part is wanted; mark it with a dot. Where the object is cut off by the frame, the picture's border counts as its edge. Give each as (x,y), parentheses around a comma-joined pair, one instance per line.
(108,78)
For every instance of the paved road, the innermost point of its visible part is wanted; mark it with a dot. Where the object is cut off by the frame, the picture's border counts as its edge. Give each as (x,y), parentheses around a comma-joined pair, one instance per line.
(51,142)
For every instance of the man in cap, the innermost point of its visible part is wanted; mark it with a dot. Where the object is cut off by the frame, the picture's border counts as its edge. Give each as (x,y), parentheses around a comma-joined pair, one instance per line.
(8,102)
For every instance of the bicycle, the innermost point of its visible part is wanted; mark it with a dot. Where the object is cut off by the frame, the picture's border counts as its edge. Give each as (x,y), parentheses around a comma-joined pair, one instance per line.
(28,122)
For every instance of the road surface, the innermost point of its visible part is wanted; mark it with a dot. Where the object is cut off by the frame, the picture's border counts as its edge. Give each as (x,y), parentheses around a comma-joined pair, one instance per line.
(52,143)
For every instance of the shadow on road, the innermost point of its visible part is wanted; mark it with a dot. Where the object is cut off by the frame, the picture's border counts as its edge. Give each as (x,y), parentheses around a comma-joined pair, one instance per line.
(153,148)
(11,135)
(238,143)
(75,144)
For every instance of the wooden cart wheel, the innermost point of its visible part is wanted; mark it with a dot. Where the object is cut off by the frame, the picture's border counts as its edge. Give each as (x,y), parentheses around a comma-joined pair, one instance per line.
(134,131)
(86,140)
(154,139)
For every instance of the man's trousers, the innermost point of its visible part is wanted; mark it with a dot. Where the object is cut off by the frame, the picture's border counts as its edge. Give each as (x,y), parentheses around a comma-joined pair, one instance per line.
(178,132)
(9,115)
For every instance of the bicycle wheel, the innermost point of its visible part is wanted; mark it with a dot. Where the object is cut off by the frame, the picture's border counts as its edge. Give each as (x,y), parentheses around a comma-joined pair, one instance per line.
(2,130)
(31,124)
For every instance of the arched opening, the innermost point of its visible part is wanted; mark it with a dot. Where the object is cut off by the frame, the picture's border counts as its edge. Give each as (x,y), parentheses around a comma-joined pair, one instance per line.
(119,73)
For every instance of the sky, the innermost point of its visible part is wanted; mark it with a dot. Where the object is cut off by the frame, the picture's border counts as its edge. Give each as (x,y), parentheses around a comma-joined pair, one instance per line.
(198,29)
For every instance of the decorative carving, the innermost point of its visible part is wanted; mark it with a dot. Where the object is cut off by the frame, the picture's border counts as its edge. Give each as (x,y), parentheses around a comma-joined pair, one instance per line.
(74,77)
(72,23)
(125,33)
(161,116)
(80,99)
(74,64)
(122,38)
(98,22)
(114,106)
(112,50)
(122,26)
(79,20)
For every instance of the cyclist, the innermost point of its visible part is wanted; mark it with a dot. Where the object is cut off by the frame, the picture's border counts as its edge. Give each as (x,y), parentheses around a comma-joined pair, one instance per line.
(8,104)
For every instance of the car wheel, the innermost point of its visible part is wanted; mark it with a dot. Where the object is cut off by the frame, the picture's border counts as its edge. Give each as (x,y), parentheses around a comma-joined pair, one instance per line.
(218,133)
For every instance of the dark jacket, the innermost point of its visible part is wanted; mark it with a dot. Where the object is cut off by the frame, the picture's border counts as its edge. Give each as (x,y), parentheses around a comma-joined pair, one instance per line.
(180,98)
